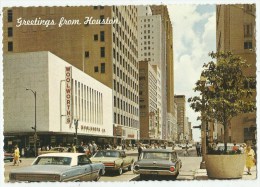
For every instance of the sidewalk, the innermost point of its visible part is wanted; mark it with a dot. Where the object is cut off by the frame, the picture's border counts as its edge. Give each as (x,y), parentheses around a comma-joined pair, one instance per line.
(201,174)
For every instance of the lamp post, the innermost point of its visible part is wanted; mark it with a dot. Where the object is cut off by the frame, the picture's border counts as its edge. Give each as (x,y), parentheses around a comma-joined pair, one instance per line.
(34,128)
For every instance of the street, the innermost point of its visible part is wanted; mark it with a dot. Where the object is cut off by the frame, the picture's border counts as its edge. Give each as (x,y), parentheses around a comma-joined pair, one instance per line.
(190,169)
(190,164)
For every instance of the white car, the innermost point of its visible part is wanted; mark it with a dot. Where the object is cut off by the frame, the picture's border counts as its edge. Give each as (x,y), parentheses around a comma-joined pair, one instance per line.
(60,167)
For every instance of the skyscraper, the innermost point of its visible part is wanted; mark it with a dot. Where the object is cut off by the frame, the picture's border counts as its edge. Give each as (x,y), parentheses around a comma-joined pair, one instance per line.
(239,37)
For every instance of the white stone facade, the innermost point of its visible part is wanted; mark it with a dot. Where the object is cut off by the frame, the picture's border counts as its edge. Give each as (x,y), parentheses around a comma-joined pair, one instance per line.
(44,73)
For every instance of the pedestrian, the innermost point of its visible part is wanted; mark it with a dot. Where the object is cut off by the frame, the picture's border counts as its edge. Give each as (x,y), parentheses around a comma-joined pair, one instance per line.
(90,147)
(173,146)
(94,145)
(16,155)
(198,149)
(139,151)
(81,148)
(73,148)
(235,147)
(186,153)
(250,158)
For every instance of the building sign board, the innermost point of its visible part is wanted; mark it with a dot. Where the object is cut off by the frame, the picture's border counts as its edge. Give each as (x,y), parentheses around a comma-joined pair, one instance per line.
(68,93)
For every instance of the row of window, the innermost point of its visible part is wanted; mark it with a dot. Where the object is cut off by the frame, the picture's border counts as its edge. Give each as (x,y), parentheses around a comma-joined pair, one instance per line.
(102,36)
(124,120)
(102,68)
(123,105)
(88,103)
(122,47)
(125,92)
(132,16)
(126,78)
(123,62)
(102,53)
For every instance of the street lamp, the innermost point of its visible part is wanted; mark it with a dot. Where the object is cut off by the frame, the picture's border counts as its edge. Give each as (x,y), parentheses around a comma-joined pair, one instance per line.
(34,128)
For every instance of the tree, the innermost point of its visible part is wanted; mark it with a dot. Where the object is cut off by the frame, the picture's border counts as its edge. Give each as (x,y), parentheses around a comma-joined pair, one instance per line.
(225,91)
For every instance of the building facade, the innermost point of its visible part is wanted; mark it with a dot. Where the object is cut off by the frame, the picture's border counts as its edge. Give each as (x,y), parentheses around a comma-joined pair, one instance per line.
(169,66)
(106,52)
(151,48)
(239,37)
(181,115)
(150,128)
(58,102)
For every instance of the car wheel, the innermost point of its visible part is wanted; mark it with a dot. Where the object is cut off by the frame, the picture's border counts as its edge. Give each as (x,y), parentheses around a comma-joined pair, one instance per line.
(98,175)
(130,167)
(120,171)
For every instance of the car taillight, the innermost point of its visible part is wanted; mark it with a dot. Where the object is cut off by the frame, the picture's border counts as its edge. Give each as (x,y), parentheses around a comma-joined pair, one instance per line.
(109,164)
(172,168)
(136,167)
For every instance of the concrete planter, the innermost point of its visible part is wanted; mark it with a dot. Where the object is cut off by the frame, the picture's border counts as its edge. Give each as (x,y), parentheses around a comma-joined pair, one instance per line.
(225,166)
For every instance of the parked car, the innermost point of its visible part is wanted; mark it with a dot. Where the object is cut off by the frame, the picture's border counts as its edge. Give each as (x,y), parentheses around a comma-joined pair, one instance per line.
(8,156)
(163,162)
(114,160)
(61,167)
(54,150)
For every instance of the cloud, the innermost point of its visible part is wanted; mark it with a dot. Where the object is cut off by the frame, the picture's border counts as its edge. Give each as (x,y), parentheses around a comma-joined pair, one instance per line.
(194,34)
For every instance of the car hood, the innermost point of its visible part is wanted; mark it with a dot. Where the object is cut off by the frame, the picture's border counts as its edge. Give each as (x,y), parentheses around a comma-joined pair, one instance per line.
(43,169)
(103,159)
(149,162)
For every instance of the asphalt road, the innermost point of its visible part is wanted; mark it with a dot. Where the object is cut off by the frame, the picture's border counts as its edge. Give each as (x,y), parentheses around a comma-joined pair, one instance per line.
(190,164)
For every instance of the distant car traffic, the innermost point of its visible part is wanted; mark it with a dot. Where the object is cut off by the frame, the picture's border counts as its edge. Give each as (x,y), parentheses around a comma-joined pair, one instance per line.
(61,167)
(158,162)
(8,156)
(114,160)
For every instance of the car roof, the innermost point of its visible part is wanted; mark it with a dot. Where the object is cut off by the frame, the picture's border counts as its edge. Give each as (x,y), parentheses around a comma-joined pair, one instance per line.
(159,150)
(62,154)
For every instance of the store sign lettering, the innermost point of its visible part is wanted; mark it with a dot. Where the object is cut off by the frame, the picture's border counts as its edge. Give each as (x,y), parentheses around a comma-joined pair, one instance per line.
(68,77)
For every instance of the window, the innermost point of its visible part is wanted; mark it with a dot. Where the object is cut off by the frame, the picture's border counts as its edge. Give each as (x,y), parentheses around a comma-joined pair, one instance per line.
(10,15)
(86,54)
(10,46)
(248,30)
(114,37)
(102,51)
(96,69)
(102,19)
(248,45)
(10,31)
(95,37)
(102,36)
(103,67)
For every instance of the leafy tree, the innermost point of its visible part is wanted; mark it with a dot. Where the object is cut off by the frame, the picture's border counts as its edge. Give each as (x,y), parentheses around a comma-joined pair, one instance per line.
(225,91)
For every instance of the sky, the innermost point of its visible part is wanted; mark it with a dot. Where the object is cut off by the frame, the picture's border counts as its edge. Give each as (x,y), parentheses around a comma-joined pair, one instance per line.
(194,36)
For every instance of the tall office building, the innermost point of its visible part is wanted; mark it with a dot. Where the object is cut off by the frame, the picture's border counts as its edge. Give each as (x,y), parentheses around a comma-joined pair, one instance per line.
(168,32)
(239,36)
(181,115)
(150,128)
(151,48)
(106,52)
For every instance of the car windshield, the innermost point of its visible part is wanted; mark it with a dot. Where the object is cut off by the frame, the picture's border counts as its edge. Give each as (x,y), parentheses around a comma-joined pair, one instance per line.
(107,154)
(53,161)
(155,155)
